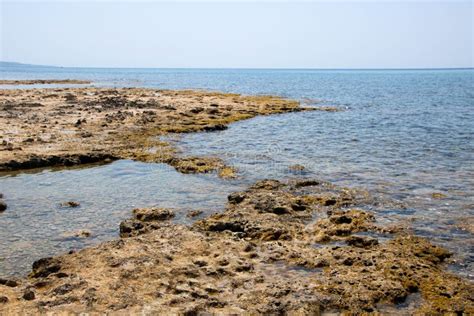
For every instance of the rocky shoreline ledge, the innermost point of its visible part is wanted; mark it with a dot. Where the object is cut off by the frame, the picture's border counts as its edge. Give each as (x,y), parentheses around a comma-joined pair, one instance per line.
(43,81)
(298,247)
(71,126)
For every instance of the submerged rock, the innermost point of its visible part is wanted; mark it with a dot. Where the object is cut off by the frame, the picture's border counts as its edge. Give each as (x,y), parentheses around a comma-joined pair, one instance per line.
(194,213)
(78,234)
(297,168)
(438,195)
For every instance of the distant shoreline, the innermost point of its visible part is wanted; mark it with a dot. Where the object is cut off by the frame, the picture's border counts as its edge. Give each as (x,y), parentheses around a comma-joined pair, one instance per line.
(22,65)
(43,81)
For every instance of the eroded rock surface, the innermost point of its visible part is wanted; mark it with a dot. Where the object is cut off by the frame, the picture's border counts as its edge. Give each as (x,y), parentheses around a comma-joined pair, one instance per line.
(70,126)
(299,247)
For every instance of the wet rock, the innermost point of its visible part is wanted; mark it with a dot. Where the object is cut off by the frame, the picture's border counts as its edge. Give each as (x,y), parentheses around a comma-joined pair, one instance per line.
(213,128)
(3,206)
(83,234)
(153,214)
(236,198)
(44,267)
(296,168)
(227,172)
(78,234)
(438,195)
(55,160)
(194,213)
(196,164)
(71,204)
(466,224)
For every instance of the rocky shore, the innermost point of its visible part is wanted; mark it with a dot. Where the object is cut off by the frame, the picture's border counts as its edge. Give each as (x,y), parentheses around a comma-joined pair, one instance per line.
(43,81)
(70,126)
(298,247)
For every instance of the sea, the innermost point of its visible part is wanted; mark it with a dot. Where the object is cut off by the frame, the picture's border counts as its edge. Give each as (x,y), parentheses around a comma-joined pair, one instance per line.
(404,135)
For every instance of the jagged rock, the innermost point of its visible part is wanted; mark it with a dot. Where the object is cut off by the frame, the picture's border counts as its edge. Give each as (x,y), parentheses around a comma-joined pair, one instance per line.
(44,267)
(153,214)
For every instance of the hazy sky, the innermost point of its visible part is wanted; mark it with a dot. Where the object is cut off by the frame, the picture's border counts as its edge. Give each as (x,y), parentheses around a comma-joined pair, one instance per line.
(322,34)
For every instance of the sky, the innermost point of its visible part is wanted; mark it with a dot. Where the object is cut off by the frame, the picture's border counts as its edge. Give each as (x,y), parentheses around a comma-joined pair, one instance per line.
(243,34)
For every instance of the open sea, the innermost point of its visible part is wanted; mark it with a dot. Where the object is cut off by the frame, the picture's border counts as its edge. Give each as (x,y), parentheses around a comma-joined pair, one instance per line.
(401,134)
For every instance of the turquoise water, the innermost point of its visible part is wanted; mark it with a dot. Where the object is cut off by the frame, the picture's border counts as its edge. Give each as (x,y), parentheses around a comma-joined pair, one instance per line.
(403,134)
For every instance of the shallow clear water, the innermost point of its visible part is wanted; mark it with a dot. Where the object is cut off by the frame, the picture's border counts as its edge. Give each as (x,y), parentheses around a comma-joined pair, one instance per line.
(403,134)
(36,225)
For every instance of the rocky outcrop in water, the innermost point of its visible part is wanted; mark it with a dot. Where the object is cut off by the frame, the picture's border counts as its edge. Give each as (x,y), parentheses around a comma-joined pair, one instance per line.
(298,247)
(3,206)
(72,126)
(43,81)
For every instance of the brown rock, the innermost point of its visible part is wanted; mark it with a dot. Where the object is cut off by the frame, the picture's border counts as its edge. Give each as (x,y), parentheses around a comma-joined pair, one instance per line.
(29,295)
(71,204)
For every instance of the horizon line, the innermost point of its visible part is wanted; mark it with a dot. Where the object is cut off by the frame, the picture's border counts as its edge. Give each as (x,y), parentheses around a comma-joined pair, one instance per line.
(245,68)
